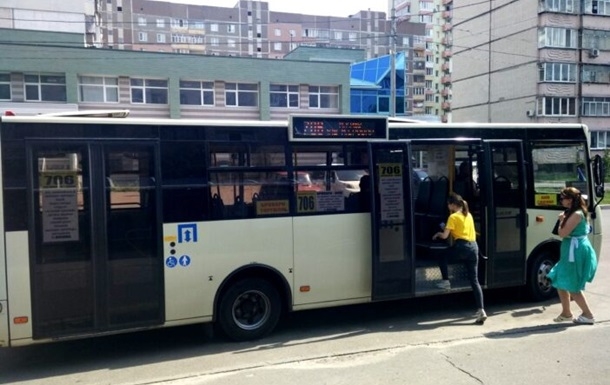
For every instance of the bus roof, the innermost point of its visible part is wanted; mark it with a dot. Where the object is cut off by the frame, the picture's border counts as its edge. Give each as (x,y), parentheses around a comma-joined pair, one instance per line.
(110,117)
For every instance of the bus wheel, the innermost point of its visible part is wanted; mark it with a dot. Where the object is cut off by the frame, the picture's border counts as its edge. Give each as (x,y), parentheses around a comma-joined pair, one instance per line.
(539,286)
(250,309)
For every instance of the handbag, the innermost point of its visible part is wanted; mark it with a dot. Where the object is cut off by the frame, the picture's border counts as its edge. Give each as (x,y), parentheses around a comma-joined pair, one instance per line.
(555,228)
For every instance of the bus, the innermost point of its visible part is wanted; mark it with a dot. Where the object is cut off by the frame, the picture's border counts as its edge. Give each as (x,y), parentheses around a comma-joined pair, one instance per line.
(113,225)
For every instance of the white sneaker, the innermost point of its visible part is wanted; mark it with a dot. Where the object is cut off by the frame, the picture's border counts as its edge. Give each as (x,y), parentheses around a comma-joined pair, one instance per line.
(481,317)
(445,284)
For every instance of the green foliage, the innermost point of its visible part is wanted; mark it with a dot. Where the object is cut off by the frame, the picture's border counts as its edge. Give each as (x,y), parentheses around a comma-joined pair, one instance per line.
(606,163)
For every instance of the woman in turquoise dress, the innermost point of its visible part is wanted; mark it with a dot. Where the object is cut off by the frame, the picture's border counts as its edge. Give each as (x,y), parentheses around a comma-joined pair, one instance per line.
(578,262)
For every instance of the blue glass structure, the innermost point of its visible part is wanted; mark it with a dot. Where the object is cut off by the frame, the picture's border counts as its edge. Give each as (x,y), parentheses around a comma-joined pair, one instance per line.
(370,86)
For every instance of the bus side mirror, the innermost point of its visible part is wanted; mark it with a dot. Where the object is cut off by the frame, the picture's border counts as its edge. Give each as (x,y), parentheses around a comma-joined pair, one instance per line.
(598,175)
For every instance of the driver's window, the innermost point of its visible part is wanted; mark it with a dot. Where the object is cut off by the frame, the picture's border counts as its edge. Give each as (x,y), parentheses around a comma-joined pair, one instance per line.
(557,166)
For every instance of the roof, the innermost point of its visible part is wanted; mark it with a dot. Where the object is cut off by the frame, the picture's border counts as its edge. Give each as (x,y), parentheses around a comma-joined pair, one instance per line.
(375,70)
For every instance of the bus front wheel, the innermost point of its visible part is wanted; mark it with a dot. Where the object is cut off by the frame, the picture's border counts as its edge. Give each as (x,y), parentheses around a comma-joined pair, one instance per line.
(539,286)
(249,309)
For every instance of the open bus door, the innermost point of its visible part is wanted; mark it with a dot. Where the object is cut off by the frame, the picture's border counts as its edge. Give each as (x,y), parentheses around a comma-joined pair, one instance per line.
(503,242)
(391,221)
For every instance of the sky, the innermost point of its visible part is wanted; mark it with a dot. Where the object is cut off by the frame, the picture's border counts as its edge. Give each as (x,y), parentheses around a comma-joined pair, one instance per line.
(340,8)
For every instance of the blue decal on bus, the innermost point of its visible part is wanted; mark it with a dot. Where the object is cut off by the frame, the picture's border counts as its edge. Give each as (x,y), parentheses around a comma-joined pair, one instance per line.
(171,262)
(187,233)
(185,260)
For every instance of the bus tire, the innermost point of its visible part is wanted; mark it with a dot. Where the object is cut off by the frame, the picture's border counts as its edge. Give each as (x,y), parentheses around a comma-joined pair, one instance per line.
(249,309)
(539,286)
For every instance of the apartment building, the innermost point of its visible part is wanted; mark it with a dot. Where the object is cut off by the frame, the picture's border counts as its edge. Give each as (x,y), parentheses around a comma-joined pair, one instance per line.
(544,61)
(432,52)
(251,29)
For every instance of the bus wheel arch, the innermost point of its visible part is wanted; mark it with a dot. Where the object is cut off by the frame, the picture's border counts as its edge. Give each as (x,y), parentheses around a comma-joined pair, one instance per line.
(540,262)
(250,303)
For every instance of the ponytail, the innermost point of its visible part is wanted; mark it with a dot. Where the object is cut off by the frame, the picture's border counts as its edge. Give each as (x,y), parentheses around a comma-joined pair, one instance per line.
(457,200)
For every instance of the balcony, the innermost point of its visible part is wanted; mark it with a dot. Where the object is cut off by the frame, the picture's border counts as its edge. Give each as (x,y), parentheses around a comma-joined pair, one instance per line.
(446,67)
(445,118)
(448,41)
(447,15)
(445,2)
(446,92)
(446,79)
(447,53)
(447,27)
(446,106)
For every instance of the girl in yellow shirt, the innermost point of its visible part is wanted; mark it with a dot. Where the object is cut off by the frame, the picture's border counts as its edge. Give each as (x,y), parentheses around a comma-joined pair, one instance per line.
(460,226)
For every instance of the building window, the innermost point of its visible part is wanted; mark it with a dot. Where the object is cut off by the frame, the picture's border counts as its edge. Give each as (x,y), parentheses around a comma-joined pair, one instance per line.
(277,46)
(352,36)
(323,97)
(142,36)
(599,7)
(278,32)
(160,23)
(45,88)
(599,140)
(241,95)
(555,106)
(142,21)
(596,39)
(230,28)
(160,38)
(426,19)
(418,91)
(558,72)
(596,74)
(285,96)
(5,86)
(98,89)
(231,43)
(196,93)
(596,106)
(563,6)
(148,91)
(338,35)
(557,37)
(214,41)
(180,23)
(214,27)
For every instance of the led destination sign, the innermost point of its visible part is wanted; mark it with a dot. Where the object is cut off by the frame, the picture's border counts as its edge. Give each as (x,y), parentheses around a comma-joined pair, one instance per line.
(338,127)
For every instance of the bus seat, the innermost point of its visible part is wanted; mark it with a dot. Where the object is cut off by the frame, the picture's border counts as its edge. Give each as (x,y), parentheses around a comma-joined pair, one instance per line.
(430,223)
(218,207)
(239,208)
(438,197)
(422,200)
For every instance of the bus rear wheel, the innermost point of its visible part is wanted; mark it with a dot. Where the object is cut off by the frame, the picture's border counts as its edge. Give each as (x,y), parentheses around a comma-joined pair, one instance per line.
(539,286)
(249,309)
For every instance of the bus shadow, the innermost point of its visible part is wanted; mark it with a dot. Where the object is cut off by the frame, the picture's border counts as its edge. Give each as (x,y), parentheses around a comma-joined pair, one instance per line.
(164,346)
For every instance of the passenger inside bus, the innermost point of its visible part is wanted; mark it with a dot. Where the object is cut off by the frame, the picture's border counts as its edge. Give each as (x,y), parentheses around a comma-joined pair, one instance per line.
(363,197)
(464,183)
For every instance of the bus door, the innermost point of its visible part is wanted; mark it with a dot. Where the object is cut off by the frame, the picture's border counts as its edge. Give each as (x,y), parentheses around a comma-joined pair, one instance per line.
(391,224)
(94,239)
(502,185)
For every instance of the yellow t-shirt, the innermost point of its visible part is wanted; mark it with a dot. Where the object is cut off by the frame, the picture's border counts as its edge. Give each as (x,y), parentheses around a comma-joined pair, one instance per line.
(461,226)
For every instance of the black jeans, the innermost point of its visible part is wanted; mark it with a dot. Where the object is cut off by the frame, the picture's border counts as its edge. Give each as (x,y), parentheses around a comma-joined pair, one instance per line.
(468,254)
